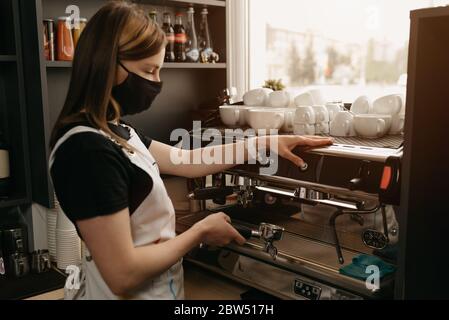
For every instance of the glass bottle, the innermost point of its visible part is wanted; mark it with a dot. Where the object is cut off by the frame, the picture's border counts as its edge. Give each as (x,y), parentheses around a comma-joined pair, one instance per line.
(170,33)
(180,39)
(192,52)
(153,16)
(205,42)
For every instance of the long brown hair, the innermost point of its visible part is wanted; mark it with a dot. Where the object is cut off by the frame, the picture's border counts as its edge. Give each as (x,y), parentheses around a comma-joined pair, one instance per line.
(119,31)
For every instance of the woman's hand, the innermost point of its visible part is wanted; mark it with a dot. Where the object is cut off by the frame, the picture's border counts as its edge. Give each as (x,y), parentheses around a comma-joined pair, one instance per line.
(216,230)
(286,144)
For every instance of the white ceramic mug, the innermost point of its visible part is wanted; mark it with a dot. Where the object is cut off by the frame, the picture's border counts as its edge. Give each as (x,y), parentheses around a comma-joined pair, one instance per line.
(322,128)
(343,125)
(333,109)
(257,97)
(303,129)
(321,114)
(279,99)
(230,116)
(305,115)
(362,105)
(289,120)
(397,124)
(304,99)
(372,125)
(391,104)
(266,119)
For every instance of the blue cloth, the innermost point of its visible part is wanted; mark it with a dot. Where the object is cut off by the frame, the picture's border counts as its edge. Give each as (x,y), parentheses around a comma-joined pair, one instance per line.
(358,268)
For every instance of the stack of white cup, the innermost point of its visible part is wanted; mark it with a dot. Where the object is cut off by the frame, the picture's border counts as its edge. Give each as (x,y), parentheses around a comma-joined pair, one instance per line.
(305,120)
(68,244)
(322,120)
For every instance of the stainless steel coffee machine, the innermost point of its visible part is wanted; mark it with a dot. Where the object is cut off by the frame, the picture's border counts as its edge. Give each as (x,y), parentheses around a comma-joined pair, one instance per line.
(304,225)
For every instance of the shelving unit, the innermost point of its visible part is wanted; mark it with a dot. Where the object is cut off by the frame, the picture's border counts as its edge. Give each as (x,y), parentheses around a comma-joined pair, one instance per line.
(68,64)
(13,122)
(187,86)
(183,3)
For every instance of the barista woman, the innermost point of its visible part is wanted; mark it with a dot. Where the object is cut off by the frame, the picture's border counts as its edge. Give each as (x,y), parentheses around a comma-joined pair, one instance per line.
(107,175)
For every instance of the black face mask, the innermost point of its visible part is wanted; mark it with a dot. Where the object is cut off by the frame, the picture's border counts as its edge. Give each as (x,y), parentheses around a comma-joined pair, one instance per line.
(136,94)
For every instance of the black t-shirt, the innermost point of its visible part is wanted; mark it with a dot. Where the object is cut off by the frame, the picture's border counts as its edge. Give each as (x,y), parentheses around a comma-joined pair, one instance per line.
(93,177)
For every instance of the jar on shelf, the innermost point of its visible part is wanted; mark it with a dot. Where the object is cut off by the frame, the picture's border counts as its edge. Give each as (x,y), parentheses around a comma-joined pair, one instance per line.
(65,46)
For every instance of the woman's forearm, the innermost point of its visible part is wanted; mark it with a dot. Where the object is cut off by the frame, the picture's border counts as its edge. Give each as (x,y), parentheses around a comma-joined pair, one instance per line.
(215,159)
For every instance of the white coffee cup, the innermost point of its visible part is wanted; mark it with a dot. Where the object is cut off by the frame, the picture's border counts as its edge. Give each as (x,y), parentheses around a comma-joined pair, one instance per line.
(289,120)
(279,99)
(343,125)
(372,125)
(305,115)
(303,129)
(333,109)
(304,99)
(362,105)
(391,104)
(231,116)
(321,114)
(322,128)
(257,97)
(397,124)
(240,112)
(266,119)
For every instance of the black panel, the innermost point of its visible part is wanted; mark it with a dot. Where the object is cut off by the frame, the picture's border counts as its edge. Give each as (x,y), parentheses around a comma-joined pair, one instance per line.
(7,42)
(425,176)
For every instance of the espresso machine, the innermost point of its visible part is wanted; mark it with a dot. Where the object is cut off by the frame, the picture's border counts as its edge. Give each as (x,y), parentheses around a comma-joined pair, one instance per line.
(306,225)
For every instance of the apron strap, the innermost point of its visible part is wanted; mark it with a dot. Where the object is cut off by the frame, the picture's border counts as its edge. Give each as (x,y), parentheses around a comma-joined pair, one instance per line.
(72,132)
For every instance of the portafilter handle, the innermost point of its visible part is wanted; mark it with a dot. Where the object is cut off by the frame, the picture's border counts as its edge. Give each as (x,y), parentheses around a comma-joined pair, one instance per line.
(211,193)
(268,233)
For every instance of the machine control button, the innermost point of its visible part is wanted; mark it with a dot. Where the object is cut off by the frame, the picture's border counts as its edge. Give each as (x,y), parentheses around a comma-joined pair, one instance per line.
(307,290)
(304,167)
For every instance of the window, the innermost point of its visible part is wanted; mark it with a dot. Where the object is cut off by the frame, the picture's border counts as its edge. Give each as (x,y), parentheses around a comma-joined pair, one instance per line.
(345,47)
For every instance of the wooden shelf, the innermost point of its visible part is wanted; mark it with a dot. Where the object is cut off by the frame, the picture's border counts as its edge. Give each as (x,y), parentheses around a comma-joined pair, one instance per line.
(185,3)
(58,64)
(195,65)
(68,64)
(7,58)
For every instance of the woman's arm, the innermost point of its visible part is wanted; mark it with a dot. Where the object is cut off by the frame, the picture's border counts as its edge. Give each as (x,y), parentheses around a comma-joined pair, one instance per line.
(229,154)
(124,267)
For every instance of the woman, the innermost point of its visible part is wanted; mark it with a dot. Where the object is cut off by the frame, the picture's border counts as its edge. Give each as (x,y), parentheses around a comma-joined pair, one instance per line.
(107,175)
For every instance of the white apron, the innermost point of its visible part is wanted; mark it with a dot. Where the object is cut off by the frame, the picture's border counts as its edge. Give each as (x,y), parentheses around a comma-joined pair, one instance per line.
(153,222)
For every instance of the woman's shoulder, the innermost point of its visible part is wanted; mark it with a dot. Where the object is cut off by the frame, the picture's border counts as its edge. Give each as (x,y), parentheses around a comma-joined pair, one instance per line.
(87,141)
